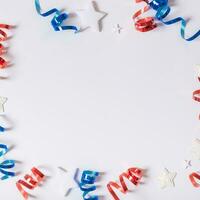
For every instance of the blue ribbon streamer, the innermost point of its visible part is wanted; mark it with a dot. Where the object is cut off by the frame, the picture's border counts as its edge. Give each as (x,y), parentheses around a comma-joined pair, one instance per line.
(163,10)
(58,18)
(7,164)
(2,129)
(88,178)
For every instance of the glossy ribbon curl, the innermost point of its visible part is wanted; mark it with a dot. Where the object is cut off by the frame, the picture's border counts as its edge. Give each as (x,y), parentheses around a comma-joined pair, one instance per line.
(193,177)
(88,178)
(3,37)
(7,164)
(134,175)
(31,182)
(196,95)
(162,11)
(58,18)
(2,129)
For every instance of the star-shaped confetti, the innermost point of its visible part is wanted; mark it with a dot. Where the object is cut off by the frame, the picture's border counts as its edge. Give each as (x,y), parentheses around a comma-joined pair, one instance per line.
(195,150)
(2,102)
(166,179)
(92,16)
(187,163)
(118,29)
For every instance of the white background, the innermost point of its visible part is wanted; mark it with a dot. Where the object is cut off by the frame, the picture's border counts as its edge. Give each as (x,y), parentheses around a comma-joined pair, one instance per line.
(100,101)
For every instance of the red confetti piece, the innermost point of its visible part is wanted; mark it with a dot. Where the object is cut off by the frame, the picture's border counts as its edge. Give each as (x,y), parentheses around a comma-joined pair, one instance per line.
(134,175)
(31,182)
(145,24)
(193,177)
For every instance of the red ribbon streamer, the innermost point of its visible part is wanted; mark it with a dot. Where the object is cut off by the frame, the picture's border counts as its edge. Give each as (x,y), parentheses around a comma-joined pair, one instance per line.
(134,175)
(3,37)
(145,24)
(31,182)
(193,178)
(196,95)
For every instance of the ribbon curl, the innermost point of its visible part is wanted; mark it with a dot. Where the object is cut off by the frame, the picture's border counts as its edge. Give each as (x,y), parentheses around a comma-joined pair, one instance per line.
(162,11)
(7,164)
(2,129)
(193,178)
(31,182)
(134,175)
(88,178)
(3,37)
(196,95)
(58,18)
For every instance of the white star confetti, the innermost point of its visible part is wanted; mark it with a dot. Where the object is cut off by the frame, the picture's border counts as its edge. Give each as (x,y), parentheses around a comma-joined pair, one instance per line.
(92,17)
(195,150)
(2,102)
(166,179)
(187,163)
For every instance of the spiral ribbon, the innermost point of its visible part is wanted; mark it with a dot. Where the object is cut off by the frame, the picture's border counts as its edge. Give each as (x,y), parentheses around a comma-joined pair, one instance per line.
(88,178)
(162,11)
(4,37)
(58,18)
(196,95)
(31,182)
(193,177)
(134,175)
(7,164)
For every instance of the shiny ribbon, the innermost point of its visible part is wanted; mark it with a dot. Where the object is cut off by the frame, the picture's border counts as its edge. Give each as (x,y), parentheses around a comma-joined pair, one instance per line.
(88,178)
(2,129)
(7,164)
(162,11)
(31,182)
(3,37)
(196,95)
(58,18)
(193,178)
(134,175)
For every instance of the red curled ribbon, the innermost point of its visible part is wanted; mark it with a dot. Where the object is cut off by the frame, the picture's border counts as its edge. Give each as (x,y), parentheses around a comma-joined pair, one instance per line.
(196,95)
(3,37)
(193,178)
(134,175)
(145,24)
(32,183)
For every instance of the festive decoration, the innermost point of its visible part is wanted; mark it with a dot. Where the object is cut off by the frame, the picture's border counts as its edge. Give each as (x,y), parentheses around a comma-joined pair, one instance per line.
(31,182)
(58,18)
(2,129)
(196,93)
(166,179)
(162,11)
(3,62)
(3,100)
(92,16)
(88,178)
(193,178)
(187,163)
(134,175)
(118,29)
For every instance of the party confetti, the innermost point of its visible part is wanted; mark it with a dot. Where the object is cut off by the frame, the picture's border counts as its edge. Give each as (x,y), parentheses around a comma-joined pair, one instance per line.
(3,100)
(118,29)
(162,11)
(2,129)
(193,178)
(92,16)
(58,18)
(4,37)
(31,182)
(166,179)
(134,175)
(187,163)
(87,184)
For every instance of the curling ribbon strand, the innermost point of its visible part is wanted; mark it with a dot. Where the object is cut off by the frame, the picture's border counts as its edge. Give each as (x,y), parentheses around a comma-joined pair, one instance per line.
(58,18)
(193,178)
(3,37)
(32,183)
(196,95)
(88,178)
(134,175)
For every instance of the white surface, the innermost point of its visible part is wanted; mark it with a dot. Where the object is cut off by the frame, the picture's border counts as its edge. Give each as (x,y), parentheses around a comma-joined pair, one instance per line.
(101,101)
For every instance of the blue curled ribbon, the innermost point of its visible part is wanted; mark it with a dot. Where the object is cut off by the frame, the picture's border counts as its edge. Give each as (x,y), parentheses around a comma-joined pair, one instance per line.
(88,178)
(163,10)
(7,164)
(2,129)
(58,18)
